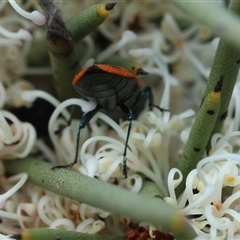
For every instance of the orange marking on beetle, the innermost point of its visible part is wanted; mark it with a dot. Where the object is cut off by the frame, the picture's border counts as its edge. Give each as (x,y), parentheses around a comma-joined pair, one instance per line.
(79,76)
(115,70)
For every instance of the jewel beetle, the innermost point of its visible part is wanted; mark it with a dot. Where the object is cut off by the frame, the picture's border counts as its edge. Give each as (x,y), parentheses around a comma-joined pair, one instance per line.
(111,87)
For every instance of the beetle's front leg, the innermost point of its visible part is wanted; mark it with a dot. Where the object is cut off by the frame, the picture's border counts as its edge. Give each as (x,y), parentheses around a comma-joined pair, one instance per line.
(144,95)
(84,121)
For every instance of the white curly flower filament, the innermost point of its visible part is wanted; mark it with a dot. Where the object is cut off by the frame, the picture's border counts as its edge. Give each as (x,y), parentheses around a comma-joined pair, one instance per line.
(174,58)
(16,138)
(217,212)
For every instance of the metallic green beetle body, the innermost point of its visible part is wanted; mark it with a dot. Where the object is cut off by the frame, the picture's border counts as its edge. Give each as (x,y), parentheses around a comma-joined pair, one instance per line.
(111,87)
(101,83)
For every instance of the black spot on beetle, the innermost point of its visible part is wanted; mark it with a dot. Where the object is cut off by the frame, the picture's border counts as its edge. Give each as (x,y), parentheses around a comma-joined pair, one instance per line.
(210,112)
(197,149)
(223,116)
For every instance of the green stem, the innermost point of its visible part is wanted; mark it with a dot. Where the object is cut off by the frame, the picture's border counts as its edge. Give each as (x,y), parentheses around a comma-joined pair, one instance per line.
(86,22)
(200,134)
(64,59)
(102,195)
(38,54)
(217,18)
(226,64)
(225,67)
(60,39)
(80,26)
(53,234)
(150,189)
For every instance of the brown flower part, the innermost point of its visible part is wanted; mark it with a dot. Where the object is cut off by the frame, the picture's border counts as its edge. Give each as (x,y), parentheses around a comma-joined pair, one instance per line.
(143,234)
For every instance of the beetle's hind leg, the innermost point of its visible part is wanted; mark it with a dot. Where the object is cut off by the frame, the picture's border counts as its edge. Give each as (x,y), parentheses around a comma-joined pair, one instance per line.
(144,95)
(84,121)
(129,116)
(62,127)
(72,110)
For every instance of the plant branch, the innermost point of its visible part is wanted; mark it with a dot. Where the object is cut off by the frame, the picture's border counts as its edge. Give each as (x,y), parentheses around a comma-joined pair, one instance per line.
(102,195)
(63,56)
(200,133)
(86,22)
(225,67)
(60,38)
(226,64)
(53,234)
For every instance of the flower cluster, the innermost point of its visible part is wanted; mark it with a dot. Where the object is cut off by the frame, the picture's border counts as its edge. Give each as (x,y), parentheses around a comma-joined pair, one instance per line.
(211,198)
(178,54)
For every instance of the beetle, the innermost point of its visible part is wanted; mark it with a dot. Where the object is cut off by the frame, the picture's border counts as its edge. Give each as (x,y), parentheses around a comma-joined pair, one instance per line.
(111,86)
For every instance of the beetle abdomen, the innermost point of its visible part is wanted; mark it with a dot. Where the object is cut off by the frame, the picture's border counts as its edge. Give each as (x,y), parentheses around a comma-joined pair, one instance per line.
(107,89)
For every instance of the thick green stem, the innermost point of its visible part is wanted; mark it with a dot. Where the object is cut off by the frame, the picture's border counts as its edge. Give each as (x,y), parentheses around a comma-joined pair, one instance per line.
(225,67)
(86,22)
(226,64)
(102,195)
(53,234)
(64,59)
(150,189)
(200,133)
(80,26)
(63,54)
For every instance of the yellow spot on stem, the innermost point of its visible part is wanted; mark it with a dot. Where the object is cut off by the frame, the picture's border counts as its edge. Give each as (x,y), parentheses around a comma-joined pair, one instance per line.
(25,235)
(214,96)
(178,223)
(102,11)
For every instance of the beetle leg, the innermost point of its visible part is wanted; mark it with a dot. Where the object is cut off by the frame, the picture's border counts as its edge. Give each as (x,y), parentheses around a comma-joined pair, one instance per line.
(63,126)
(84,121)
(142,97)
(129,116)
(72,110)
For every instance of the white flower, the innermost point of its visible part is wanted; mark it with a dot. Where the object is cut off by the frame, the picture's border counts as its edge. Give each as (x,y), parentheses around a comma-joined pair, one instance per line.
(180,40)
(213,213)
